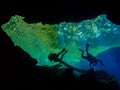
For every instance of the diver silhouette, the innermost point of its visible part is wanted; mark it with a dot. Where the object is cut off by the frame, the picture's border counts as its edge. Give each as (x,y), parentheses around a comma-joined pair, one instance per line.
(56,58)
(90,58)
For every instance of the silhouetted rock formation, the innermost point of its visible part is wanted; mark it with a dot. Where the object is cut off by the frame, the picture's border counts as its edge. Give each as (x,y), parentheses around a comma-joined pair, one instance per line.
(19,68)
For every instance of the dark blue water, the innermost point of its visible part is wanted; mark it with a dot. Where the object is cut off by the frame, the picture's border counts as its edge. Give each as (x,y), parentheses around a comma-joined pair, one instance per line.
(111,60)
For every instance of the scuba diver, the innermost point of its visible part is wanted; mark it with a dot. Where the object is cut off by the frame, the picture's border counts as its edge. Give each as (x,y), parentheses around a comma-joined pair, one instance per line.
(91,59)
(56,58)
